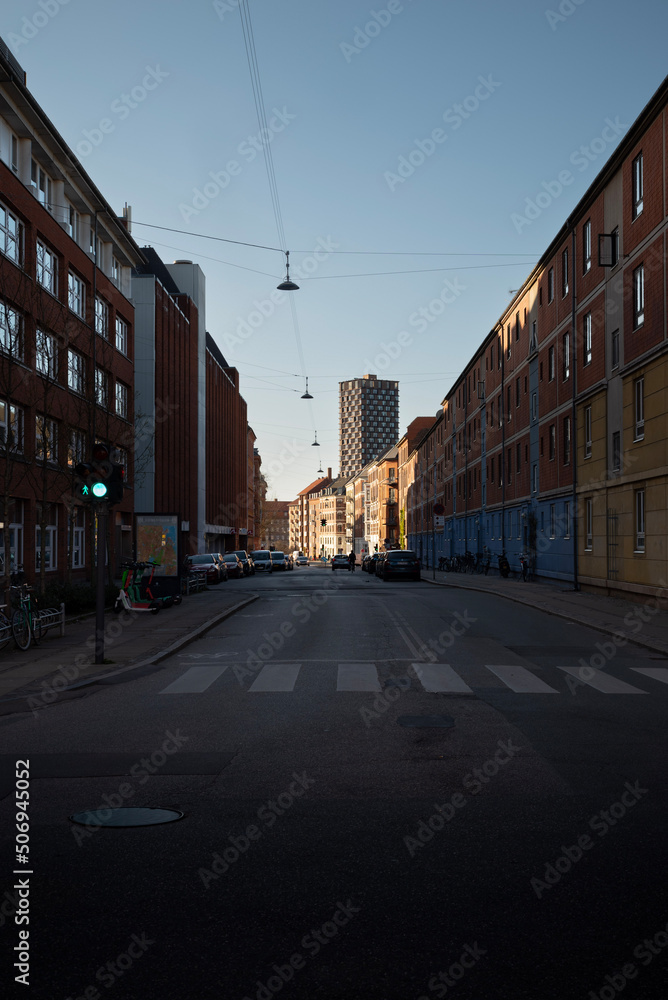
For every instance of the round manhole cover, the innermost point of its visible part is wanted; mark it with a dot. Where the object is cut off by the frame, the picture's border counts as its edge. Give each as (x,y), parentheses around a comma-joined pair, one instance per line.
(139,816)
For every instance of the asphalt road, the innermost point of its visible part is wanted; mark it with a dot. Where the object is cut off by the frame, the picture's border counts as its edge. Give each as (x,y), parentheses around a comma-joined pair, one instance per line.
(330,847)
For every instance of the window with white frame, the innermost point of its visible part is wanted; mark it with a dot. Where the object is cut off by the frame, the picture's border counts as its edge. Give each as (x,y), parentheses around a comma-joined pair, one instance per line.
(46,354)
(78,538)
(551,363)
(552,442)
(638,296)
(640,520)
(587,432)
(76,374)
(11,426)
(566,354)
(121,335)
(101,317)
(50,551)
(564,273)
(639,409)
(121,400)
(586,339)
(586,247)
(638,185)
(73,223)
(41,185)
(11,235)
(15,518)
(47,268)
(116,271)
(11,331)
(76,294)
(614,349)
(101,387)
(46,439)
(589,523)
(76,447)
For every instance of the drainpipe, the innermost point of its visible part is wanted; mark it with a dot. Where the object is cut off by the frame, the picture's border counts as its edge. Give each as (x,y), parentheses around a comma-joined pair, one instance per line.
(574,439)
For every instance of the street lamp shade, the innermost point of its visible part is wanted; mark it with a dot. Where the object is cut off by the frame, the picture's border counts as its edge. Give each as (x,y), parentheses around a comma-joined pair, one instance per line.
(287,285)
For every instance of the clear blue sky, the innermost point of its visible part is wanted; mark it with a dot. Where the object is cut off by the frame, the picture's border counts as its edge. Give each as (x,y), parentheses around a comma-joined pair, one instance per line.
(515,88)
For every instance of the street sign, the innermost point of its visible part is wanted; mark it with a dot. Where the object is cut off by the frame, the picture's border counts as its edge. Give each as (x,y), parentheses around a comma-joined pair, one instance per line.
(439,522)
(439,509)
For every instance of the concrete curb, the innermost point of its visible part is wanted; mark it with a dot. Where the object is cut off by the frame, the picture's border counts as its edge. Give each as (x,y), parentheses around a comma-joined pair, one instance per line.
(570,616)
(170,650)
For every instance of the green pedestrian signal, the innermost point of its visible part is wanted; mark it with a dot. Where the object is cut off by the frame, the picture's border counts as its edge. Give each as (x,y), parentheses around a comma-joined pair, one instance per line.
(100,479)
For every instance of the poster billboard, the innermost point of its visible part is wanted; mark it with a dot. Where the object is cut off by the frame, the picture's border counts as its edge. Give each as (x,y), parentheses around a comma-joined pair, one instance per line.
(157,540)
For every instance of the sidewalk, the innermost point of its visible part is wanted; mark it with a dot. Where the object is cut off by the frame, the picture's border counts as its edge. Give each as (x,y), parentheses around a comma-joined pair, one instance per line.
(643,623)
(43,673)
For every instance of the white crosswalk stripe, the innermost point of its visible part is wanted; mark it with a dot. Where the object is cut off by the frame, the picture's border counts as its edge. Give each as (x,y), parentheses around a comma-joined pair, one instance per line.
(433,678)
(600,681)
(357,677)
(440,677)
(276,677)
(196,679)
(520,680)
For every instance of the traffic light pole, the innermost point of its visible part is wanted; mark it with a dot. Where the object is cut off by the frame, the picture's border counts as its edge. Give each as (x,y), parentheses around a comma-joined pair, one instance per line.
(102,516)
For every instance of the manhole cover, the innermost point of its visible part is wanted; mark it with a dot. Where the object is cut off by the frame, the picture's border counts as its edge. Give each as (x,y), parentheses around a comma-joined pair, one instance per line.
(426,721)
(140,816)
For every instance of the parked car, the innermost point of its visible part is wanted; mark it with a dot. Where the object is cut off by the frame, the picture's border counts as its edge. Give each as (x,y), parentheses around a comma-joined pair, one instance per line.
(209,562)
(340,562)
(291,562)
(400,564)
(279,561)
(370,566)
(380,559)
(234,565)
(262,560)
(246,562)
(301,560)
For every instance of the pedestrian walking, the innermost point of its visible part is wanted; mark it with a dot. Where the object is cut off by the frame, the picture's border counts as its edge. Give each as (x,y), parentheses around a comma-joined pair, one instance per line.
(351,562)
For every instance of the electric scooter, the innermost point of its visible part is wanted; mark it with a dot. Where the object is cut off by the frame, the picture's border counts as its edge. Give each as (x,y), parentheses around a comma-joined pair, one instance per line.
(129,596)
(169,599)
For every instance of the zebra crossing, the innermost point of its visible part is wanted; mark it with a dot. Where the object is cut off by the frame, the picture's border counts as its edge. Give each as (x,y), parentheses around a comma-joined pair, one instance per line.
(433,678)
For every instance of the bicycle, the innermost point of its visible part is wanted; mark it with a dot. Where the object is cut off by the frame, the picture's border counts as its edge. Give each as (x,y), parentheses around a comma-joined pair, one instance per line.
(26,620)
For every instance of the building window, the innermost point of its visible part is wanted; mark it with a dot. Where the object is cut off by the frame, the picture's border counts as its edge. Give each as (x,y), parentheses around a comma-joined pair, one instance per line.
(614,349)
(566,349)
(517,392)
(589,524)
(638,296)
(638,185)
(50,552)
(76,447)
(121,335)
(639,396)
(101,388)
(551,363)
(534,405)
(11,235)
(553,520)
(534,478)
(46,439)
(121,400)
(553,442)
(47,268)
(587,432)
(11,426)
(11,331)
(72,224)
(586,337)
(533,343)
(517,326)
(564,273)
(78,538)
(550,285)
(586,247)
(509,464)
(640,520)
(567,520)
(567,440)
(116,272)
(41,185)
(76,294)
(101,318)
(46,354)
(616,451)
(614,247)
(75,371)
(518,458)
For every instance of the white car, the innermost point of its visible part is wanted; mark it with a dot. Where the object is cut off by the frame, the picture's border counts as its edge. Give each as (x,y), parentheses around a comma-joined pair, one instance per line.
(301,560)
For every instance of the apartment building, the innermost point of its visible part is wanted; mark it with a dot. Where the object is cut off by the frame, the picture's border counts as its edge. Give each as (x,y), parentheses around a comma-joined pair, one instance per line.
(66,343)
(368,421)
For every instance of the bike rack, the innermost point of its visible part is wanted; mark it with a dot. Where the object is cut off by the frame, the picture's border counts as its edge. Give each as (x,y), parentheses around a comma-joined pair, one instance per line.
(53,618)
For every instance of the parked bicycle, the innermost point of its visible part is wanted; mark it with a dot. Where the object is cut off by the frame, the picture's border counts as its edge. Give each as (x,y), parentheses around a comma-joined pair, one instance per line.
(26,620)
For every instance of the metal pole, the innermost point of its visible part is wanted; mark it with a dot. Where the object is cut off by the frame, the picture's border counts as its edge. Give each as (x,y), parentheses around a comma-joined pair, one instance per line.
(433,547)
(102,515)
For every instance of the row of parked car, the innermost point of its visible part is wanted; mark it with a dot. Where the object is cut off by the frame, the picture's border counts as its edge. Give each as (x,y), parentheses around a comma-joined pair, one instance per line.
(220,566)
(401,564)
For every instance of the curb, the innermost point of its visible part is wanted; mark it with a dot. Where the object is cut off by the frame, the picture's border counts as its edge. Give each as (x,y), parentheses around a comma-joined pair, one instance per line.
(606,630)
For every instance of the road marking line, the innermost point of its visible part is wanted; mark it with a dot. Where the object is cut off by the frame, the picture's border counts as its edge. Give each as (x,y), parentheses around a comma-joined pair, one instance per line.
(357,677)
(600,681)
(196,679)
(520,680)
(276,677)
(656,673)
(440,677)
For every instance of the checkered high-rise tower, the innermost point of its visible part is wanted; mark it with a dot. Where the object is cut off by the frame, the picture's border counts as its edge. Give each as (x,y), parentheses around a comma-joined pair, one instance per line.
(368,421)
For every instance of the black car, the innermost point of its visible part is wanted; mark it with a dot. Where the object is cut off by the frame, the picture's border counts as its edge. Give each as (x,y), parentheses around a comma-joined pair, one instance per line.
(234,565)
(400,564)
(279,561)
(246,562)
(209,562)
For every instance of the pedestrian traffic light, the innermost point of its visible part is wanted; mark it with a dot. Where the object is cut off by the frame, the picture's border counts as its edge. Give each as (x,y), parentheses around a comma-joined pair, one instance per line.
(100,479)
(323,522)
